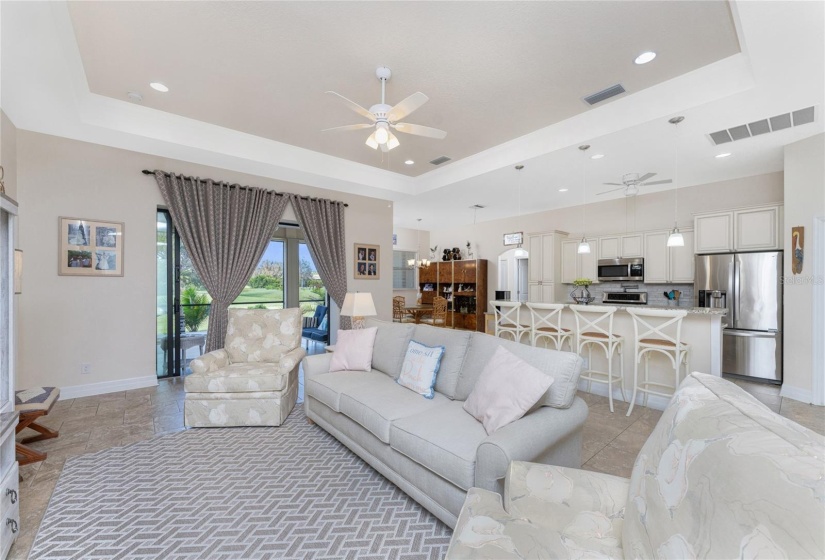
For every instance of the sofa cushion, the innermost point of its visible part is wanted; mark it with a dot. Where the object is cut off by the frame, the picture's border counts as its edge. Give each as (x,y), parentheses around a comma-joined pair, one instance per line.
(563,367)
(353,350)
(262,335)
(390,345)
(376,405)
(721,476)
(506,389)
(420,368)
(327,387)
(455,345)
(449,453)
(238,378)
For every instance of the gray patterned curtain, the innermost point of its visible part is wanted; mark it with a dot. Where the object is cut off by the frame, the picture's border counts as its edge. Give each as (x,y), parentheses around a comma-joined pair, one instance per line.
(226,229)
(322,222)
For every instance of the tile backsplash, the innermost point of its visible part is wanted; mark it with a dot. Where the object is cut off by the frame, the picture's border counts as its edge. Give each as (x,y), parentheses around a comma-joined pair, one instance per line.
(655,292)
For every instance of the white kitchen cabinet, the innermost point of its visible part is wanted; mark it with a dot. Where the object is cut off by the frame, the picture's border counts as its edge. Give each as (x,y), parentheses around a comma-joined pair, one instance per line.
(544,265)
(575,265)
(745,229)
(714,232)
(668,265)
(756,229)
(656,257)
(682,260)
(620,246)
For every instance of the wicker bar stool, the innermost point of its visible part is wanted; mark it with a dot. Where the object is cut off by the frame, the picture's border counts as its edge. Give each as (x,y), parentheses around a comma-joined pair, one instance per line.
(594,328)
(508,319)
(546,324)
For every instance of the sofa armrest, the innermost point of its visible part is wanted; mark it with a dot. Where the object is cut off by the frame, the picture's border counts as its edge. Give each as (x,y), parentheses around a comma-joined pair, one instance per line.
(214,360)
(291,359)
(316,364)
(546,435)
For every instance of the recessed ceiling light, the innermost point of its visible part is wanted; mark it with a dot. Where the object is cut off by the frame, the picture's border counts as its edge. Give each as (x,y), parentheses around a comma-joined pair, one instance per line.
(409,162)
(159,87)
(645,57)
(563,190)
(597,156)
(720,156)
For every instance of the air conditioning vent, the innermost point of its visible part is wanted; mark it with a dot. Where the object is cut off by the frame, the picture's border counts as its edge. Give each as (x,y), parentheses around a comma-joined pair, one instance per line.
(477,206)
(600,96)
(440,160)
(764,126)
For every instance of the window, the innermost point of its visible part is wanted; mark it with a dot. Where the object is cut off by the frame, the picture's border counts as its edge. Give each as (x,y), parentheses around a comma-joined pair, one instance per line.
(265,289)
(311,291)
(403,275)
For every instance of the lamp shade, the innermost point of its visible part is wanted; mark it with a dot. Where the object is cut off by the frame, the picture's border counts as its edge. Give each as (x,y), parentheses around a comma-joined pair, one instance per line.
(359,304)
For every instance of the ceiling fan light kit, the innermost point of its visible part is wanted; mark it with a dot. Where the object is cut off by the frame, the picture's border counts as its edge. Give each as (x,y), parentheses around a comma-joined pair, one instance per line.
(384,118)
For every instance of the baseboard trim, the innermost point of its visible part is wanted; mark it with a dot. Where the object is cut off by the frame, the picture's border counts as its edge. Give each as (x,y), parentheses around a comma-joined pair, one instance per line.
(653,401)
(103,387)
(797,394)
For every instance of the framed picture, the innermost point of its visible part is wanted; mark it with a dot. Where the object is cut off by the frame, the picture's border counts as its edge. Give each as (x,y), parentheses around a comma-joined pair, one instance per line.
(89,247)
(516,238)
(367,262)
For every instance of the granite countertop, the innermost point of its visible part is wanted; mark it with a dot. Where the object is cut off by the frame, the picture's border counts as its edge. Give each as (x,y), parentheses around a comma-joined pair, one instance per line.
(690,310)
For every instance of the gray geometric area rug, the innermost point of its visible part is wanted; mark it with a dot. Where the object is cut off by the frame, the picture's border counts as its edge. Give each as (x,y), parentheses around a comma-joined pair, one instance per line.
(234,493)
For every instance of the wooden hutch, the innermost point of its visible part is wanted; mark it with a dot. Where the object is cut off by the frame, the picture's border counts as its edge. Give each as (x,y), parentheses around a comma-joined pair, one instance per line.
(463,284)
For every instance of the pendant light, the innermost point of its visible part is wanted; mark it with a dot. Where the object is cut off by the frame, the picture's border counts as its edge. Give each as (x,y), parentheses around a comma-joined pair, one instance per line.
(675,238)
(418,262)
(584,246)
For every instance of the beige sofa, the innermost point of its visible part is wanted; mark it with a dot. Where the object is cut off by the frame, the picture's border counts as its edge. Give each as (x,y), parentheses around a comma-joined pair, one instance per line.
(432,449)
(721,476)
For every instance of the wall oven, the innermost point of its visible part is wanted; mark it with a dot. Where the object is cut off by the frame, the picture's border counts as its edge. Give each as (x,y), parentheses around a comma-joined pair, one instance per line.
(621,270)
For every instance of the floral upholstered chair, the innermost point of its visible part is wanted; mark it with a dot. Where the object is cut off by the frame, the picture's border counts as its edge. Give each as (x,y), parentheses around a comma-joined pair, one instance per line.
(253,380)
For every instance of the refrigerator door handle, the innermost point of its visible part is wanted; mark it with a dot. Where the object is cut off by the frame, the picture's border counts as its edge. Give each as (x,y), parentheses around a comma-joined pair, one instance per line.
(750,334)
(731,279)
(736,288)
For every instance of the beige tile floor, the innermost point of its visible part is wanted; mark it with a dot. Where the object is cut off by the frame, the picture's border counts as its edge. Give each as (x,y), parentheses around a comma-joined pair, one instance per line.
(89,424)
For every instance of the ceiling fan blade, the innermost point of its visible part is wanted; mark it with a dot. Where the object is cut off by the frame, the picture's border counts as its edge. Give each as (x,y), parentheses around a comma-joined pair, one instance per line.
(617,184)
(355,107)
(420,130)
(348,127)
(410,104)
(611,190)
(645,177)
(663,182)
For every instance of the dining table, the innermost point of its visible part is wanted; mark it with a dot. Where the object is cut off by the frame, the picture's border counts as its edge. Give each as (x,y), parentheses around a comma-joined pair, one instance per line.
(418,311)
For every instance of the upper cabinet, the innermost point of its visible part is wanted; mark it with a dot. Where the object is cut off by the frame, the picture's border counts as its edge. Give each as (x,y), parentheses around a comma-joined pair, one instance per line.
(620,246)
(747,229)
(575,265)
(668,265)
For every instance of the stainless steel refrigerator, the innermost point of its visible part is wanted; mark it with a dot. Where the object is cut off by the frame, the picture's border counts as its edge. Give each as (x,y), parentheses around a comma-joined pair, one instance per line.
(749,286)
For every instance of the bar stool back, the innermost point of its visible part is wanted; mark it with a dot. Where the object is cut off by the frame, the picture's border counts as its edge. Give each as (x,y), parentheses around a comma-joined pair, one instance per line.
(546,324)
(594,328)
(508,319)
(658,330)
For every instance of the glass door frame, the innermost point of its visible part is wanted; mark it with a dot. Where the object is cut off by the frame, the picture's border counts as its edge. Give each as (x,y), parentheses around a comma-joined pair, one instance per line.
(173,307)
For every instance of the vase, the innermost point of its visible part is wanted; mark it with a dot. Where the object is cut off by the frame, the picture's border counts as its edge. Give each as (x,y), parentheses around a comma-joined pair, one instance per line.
(581,295)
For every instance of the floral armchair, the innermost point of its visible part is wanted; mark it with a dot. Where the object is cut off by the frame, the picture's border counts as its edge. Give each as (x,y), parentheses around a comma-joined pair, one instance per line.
(253,380)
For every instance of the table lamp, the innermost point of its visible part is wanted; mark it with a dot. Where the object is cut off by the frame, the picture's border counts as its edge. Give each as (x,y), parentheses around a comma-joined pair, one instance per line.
(358,306)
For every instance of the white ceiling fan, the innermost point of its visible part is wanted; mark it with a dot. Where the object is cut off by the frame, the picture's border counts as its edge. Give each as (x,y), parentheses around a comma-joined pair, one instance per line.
(384,117)
(632,181)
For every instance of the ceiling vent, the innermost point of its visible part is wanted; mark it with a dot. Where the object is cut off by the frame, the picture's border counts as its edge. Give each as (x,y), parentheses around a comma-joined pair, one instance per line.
(440,160)
(477,206)
(779,122)
(600,96)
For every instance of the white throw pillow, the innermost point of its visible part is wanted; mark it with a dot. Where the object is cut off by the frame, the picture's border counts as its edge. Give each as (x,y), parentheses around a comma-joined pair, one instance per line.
(506,389)
(420,368)
(353,350)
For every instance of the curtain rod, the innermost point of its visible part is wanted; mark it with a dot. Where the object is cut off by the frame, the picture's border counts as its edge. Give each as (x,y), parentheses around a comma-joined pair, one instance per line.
(147,172)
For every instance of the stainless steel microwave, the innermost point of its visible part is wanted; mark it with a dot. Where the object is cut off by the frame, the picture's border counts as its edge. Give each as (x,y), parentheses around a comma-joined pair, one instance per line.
(622,270)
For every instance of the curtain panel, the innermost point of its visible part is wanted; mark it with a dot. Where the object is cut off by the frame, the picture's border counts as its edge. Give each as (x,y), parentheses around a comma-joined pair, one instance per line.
(322,222)
(225,229)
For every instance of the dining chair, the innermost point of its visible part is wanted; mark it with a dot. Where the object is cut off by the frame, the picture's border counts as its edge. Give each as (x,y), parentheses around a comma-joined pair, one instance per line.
(438,318)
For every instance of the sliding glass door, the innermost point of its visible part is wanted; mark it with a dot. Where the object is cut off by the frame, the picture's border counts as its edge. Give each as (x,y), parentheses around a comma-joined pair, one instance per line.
(182,304)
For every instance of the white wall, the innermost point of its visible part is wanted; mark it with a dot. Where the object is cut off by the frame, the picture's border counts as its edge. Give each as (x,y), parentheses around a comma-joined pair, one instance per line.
(110,322)
(804,200)
(8,154)
(643,212)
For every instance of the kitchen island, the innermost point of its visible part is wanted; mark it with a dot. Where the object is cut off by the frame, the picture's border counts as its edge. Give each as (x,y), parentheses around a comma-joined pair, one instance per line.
(701,329)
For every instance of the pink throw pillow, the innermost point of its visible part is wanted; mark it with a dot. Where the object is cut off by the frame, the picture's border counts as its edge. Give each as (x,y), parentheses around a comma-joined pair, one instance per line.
(506,389)
(353,350)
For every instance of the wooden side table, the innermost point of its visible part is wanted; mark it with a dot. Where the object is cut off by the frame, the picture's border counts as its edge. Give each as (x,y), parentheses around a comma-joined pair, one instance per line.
(31,404)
